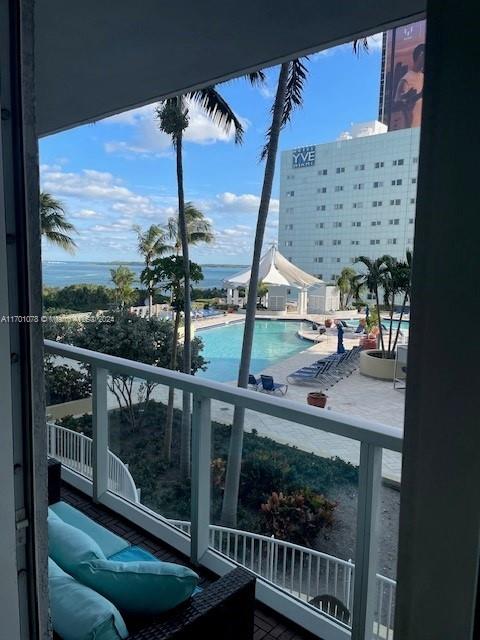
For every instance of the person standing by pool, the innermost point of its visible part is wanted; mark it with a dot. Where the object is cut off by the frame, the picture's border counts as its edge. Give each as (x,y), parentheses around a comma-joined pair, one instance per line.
(340,347)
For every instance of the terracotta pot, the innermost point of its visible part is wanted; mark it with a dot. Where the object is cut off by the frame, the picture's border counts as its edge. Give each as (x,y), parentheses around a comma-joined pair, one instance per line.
(317,399)
(369,343)
(328,323)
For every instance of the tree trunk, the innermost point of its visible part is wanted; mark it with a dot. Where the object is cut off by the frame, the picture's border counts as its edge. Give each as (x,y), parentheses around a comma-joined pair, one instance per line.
(400,321)
(232,479)
(392,310)
(187,357)
(167,438)
(380,322)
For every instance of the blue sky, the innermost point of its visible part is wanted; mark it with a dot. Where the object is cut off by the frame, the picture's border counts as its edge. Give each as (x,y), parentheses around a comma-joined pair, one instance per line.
(121,171)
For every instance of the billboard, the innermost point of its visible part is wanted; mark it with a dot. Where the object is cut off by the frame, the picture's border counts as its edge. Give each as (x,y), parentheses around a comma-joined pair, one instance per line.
(303,157)
(401,91)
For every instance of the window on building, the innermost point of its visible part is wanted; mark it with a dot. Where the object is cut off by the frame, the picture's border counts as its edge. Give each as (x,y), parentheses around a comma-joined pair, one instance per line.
(356,223)
(357,205)
(358,185)
(290,177)
(321,207)
(322,172)
(288,227)
(290,194)
(338,206)
(394,221)
(397,182)
(288,243)
(395,202)
(377,184)
(340,170)
(375,241)
(411,220)
(322,190)
(318,259)
(375,223)
(415,160)
(334,276)
(359,167)
(339,188)
(377,203)
(338,260)
(355,242)
(414,181)
(353,260)
(412,200)
(318,243)
(337,225)
(289,210)
(398,163)
(336,243)
(319,225)
(378,165)
(392,241)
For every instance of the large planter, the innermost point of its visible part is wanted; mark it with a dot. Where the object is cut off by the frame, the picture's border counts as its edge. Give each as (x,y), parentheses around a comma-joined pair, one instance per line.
(317,399)
(374,366)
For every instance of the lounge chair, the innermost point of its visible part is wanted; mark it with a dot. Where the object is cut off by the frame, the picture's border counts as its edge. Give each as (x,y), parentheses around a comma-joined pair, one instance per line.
(269,386)
(314,373)
(253,383)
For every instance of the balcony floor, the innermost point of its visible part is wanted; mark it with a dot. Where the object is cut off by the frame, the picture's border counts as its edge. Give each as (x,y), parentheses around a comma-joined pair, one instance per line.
(268,624)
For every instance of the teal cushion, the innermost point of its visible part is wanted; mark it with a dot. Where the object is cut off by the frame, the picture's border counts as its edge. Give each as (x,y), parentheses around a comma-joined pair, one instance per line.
(133,554)
(68,546)
(79,613)
(108,542)
(139,587)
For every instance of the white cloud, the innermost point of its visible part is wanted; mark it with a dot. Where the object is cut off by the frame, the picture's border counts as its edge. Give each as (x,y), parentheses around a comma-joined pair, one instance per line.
(85,214)
(244,203)
(149,140)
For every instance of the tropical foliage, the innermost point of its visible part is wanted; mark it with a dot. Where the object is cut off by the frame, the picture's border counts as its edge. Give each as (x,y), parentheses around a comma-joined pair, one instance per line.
(123,279)
(151,243)
(348,287)
(53,224)
(64,383)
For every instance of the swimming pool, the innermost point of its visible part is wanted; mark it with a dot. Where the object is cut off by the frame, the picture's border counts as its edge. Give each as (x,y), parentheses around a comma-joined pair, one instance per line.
(404,325)
(274,340)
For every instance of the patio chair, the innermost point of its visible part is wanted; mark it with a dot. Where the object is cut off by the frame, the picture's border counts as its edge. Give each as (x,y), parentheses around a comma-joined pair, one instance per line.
(253,383)
(313,373)
(269,386)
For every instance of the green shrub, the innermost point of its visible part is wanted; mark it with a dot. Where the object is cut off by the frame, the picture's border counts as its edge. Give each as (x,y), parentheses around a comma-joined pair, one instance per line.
(63,383)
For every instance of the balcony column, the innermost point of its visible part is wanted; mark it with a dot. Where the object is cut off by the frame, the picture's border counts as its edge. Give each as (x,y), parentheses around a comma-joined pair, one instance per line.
(236,297)
(201,461)
(100,432)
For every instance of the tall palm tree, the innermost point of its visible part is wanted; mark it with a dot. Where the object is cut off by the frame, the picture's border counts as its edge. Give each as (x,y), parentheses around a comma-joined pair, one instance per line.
(288,96)
(123,278)
(346,286)
(53,224)
(374,279)
(151,243)
(199,229)
(173,119)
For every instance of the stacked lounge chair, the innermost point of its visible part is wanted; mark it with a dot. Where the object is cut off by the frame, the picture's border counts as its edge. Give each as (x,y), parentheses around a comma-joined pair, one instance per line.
(328,370)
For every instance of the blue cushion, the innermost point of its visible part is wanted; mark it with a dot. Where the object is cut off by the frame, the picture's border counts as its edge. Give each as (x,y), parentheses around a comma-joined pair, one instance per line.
(108,542)
(68,546)
(133,554)
(79,613)
(142,587)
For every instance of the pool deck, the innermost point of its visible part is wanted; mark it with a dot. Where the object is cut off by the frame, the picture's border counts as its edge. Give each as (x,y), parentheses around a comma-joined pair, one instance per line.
(357,395)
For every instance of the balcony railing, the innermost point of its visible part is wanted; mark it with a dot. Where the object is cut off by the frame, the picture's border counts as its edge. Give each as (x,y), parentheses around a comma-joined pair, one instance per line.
(74,450)
(370,597)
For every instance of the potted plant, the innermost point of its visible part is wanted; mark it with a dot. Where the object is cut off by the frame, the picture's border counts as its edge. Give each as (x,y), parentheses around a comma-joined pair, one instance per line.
(391,276)
(317,399)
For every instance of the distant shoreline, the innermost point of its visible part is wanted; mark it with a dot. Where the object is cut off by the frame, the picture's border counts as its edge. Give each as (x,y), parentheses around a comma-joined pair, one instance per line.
(134,263)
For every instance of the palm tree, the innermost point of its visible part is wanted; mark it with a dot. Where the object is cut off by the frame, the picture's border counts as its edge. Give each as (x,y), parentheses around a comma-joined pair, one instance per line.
(199,229)
(404,277)
(123,278)
(53,224)
(374,279)
(151,244)
(288,96)
(172,115)
(346,286)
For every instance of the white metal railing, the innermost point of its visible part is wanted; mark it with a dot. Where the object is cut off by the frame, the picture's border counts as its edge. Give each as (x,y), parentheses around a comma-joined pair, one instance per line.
(74,450)
(372,437)
(303,572)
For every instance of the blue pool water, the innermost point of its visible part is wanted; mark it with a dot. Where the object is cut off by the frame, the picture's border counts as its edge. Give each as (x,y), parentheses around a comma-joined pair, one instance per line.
(273,340)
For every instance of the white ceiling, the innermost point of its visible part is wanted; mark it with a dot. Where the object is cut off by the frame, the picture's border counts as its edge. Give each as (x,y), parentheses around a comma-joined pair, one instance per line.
(98,57)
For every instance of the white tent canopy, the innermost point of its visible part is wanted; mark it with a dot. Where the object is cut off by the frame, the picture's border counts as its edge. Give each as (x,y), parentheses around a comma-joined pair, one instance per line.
(275,270)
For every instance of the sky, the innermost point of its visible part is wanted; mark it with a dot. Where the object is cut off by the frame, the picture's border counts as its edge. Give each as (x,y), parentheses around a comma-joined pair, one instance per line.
(120,171)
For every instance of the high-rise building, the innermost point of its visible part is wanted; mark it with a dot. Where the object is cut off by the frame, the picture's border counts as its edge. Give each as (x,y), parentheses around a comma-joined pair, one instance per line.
(352,197)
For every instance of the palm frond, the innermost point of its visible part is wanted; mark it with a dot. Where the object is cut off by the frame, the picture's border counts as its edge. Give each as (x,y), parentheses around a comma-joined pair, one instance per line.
(297,75)
(361,44)
(218,110)
(61,240)
(256,78)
